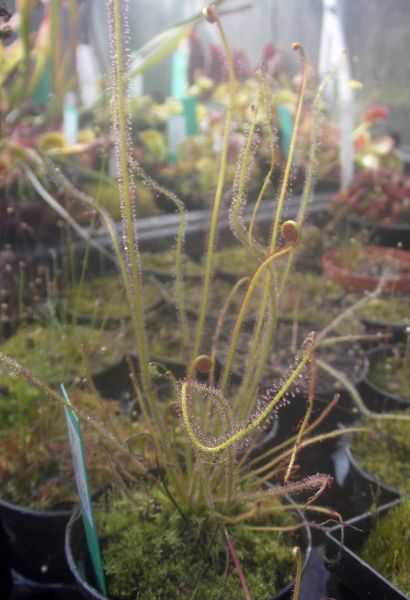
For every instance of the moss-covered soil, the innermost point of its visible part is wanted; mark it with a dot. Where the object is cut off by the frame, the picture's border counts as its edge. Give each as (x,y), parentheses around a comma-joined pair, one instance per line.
(236,261)
(386,453)
(36,467)
(62,353)
(156,555)
(311,298)
(387,549)
(388,310)
(356,258)
(163,263)
(104,298)
(390,372)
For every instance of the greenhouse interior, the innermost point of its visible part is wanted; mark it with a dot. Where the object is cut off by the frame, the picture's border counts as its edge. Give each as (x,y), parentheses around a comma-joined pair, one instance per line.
(204,300)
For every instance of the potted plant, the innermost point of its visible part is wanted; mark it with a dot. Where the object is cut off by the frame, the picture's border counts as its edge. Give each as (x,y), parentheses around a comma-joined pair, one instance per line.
(360,268)
(378,460)
(160,264)
(187,463)
(37,479)
(387,314)
(378,200)
(310,298)
(36,468)
(101,301)
(56,352)
(386,383)
(383,454)
(373,558)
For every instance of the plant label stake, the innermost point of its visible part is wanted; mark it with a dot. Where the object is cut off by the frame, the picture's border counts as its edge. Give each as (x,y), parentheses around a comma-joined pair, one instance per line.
(70,118)
(176,134)
(332,44)
(286,127)
(83,488)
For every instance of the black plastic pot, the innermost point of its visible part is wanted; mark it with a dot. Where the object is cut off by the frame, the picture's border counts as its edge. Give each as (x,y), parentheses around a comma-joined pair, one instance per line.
(353,490)
(291,416)
(80,563)
(8,326)
(346,564)
(25,589)
(365,486)
(5,568)
(397,331)
(115,382)
(391,236)
(355,371)
(36,543)
(347,357)
(376,399)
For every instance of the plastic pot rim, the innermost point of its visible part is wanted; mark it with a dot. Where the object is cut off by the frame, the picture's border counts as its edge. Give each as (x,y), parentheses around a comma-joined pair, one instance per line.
(366,474)
(11,506)
(354,556)
(401,400)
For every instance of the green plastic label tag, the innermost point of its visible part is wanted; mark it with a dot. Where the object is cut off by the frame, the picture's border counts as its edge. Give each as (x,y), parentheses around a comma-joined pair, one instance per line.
(189,107)
(83,488)
(179,71)
(285,128)
(176,135)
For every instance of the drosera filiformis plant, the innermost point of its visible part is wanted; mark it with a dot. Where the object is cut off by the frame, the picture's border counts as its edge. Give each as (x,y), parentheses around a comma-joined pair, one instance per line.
(190,459)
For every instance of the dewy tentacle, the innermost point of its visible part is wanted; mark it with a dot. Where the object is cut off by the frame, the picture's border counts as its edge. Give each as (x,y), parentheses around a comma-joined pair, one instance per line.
(291,232)
(310,173)
(235,437)
(126,184)
(219,189)
(239,196)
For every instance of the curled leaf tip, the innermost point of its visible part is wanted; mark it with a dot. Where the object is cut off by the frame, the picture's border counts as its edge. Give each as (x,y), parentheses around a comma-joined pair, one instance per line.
(204,363)
(310,340)
(210,13)
(292,232)
(299,48)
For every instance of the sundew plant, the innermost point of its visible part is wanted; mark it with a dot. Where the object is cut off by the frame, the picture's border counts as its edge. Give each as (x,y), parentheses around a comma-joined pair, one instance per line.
(194,450)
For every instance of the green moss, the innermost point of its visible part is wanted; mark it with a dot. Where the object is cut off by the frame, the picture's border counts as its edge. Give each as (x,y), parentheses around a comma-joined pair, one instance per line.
(390,310)
(36,467)
(219,293)
(163,263)
(108,197)
(104,298)
(387,549)
(165,336)
(155,554)
(61,353)
(391,373)
(18,402)
(235,261)
(310,297)
(35,461)
(386,453)
(361,259)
